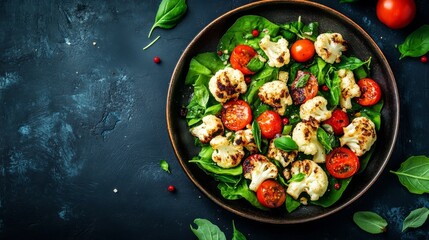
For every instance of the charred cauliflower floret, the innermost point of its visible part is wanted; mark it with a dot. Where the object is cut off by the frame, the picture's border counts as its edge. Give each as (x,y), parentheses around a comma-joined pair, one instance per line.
(226,154)
(283,157)
(275,94)
(305,136)
(348,87)
(359,135)
(227,84)
(208,129)
(315,108)
(329,46)
(245,138)
(315,182)
(258,168)
(277,52)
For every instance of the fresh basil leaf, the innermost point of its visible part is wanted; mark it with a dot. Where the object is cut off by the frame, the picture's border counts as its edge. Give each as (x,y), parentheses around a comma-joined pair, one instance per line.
(414,174)
(237,235)
(322,70)
(256,131)
(292,204)
(286,144)
(416,218)
(333,82)
(370,222)
(352,63)
(310,31)
(416,44)
(206,230)
(302,80)
(327,140)
(169,13)
(297,177)
(164,165)
(213,110)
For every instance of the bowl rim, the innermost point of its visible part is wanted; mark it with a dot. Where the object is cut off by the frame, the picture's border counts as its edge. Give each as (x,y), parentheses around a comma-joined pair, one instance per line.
(356,27)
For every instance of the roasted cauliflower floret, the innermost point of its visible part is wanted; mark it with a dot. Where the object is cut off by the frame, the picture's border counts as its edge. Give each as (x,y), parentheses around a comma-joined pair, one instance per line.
(226,154)
(315,108)
(359,135)
(258,168)
(348,87)
(305,136)
(277,52)
(227,84)
(329,46)
(315,182)
(208,129)
(283,157)
(275,94)
(245,138)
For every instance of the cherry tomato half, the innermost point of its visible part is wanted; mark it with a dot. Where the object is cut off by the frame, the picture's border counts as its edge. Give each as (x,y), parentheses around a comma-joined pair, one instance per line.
(342,163)
(236,114)
(302,94)
(337,121)
(396,13)
(270,124)
(241,56)
(302,50)
(370,92)
(271,194)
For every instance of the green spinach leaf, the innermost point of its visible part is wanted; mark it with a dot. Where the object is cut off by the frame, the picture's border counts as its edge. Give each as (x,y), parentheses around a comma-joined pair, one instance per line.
(206,230)
(327,140)
(416,218)
(292,204)
(370,222)
(416,44)
(332,195)
(414,174)
(239,191)
(237,235)
(256,131)
(169,13)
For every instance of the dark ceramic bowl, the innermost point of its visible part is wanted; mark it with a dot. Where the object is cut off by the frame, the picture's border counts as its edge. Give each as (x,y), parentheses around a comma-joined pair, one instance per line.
(361,45)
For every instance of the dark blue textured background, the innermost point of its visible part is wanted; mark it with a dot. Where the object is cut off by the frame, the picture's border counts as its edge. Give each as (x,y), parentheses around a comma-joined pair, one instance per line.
(82,126)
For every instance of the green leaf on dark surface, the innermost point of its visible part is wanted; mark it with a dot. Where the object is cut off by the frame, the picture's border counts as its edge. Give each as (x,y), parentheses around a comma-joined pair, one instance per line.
(416,218)
(416,44)
(169,14)
(370,222)
(164,165)
(237,235)
(206,230)
(414,174)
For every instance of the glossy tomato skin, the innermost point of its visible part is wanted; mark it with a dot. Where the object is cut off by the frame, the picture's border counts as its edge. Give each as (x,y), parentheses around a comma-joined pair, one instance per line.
(241,56)
(270,124)
(370,92)
(302,50)
(302,94)
(396,14)
(342,163)
(271,194)
(236,114)
(338,120)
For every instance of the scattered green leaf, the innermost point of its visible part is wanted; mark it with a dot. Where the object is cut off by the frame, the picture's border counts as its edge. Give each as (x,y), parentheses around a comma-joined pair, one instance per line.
(414,174)
(370,222)
(164,165)
(416,218)
(237,235)
(169,13)
(207,231)
(416,44)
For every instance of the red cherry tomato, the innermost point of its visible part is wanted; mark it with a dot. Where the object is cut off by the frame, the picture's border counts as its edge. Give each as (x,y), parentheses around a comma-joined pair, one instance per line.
(302,50)
(342,163)
(271,194)
(241,56)
(370,92)
(396,13)
(337,121)
(302,94)
(270,124)
(236,114)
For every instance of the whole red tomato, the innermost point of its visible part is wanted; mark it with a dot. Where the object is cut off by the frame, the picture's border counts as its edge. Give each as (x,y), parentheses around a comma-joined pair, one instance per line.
(396,13)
